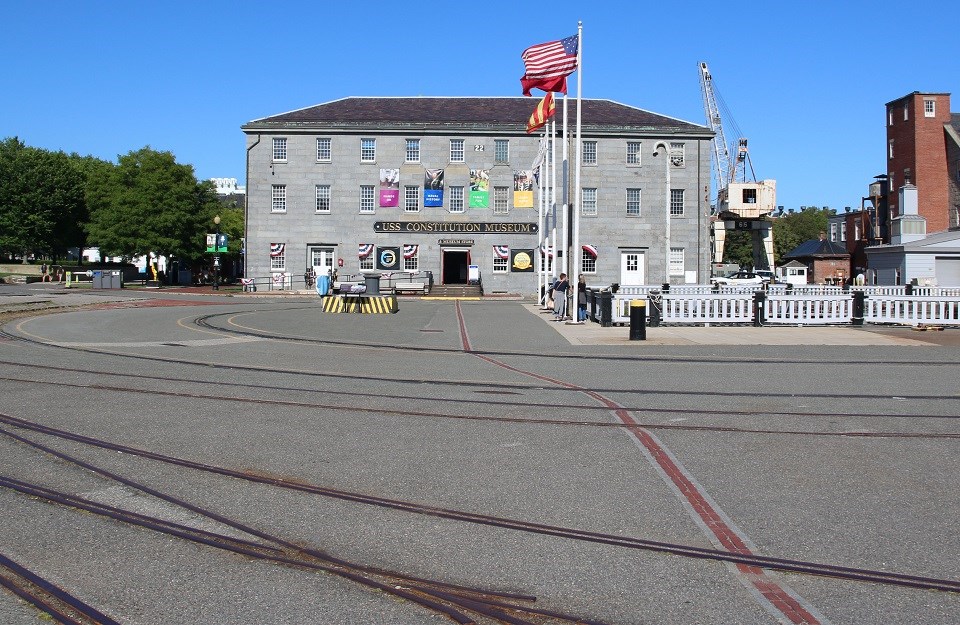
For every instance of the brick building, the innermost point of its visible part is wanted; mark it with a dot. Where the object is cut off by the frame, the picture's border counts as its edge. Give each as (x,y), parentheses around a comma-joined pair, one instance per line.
(368,184)
(923,149)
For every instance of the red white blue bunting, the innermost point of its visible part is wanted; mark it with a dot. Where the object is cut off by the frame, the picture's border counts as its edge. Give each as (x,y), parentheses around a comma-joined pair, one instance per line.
(276,249)
(501,251)
(365,250)
(409,251)
(590,250)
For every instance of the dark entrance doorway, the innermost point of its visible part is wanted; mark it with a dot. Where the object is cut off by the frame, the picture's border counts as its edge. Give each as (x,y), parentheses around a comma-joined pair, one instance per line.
(454,267)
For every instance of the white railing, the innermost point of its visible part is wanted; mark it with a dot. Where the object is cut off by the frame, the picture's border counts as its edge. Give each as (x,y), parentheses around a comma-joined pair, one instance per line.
(828,306)
(909,310)
(808,310)
(707,309)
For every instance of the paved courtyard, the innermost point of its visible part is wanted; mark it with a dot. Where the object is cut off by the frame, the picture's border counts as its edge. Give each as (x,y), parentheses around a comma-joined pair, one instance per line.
(464,457)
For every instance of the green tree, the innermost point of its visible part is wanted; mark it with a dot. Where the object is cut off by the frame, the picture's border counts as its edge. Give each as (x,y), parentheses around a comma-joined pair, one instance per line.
(738,248)
(792,229)
(150,203)
(41,200)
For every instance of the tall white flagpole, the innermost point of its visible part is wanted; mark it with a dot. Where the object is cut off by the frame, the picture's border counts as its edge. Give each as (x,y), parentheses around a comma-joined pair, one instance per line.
(564,267)
(539,161)
(553,195)
(576,252)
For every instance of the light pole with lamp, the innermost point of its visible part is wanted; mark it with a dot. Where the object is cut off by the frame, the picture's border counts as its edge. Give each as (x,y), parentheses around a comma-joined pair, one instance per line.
(216,255)
(661,148)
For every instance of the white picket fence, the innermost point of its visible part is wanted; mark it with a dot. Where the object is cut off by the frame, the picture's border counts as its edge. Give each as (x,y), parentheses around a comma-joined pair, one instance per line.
(814,306)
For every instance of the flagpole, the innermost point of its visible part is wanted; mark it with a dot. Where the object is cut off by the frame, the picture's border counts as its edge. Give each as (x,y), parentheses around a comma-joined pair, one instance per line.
(540,227)
(564,267)
(553,195)
(577,253)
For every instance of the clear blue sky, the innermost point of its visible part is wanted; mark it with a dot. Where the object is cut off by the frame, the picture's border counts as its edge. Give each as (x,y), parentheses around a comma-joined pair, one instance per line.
(805,82)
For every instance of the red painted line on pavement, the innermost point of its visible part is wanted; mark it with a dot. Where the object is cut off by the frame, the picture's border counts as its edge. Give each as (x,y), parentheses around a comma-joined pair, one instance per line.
(774,593)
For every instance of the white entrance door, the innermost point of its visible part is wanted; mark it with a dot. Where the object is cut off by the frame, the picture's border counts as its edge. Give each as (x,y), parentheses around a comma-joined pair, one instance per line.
(632,268)
(323,260)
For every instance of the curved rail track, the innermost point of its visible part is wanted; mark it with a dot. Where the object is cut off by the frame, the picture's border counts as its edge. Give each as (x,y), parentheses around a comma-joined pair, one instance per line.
(458,602)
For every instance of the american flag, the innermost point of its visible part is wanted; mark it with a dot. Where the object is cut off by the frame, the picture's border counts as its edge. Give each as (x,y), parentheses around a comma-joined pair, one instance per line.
(548,64)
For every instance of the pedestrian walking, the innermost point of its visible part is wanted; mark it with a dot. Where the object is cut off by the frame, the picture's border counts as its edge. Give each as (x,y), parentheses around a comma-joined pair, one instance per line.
(560,289)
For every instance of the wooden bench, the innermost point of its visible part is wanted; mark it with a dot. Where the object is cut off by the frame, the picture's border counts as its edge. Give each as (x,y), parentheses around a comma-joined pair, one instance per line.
(403,287)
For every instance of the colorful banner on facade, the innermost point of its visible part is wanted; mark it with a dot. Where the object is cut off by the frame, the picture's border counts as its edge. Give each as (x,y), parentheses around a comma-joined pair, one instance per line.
(389,187)
(388,258)
(365,249)
(479,188)
(523,188)
(521,260)
(433,187)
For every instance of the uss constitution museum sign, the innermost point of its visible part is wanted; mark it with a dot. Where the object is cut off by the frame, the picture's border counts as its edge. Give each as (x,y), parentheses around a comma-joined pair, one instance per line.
(460,227)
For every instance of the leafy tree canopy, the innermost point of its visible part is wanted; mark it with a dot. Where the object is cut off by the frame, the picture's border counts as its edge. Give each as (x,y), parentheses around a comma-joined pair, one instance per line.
(148,203)
(41,199)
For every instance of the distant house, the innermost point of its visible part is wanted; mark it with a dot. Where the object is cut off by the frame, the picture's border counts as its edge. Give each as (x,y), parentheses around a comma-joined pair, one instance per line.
(793,272)
(932,260)
(827,262)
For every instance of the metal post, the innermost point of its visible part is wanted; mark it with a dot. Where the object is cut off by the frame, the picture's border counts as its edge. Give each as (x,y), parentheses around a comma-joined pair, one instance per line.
(638,320)
(216,255)
(759,309)
(859,305)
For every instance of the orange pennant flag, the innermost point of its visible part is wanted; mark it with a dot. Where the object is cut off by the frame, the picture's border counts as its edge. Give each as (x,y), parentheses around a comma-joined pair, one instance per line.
(545,109)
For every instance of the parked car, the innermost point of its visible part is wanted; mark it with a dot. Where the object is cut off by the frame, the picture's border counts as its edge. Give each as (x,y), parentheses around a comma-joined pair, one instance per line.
(741,278)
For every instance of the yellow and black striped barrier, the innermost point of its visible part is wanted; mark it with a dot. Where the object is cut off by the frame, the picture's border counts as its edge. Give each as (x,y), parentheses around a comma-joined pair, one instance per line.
(369,304)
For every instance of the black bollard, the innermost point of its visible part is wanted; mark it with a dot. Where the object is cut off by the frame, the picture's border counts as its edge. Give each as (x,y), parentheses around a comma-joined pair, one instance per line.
(638,320)
(859,305)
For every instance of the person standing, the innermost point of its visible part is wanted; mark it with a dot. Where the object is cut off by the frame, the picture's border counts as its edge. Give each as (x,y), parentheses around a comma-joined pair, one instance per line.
(560,297)
(582,298)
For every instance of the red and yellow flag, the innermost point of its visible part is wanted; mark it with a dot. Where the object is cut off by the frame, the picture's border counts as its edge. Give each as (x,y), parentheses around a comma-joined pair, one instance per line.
(545,109)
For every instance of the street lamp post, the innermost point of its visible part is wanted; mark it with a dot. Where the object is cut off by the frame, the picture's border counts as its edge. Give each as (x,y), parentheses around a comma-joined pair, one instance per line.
(662,149)
(216,256)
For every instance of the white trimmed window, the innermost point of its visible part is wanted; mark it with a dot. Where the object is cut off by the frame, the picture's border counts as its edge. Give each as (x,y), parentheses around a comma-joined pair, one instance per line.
(501,204)
(323,198)
(833,232)
(906,111)
(677,154)
(413,262)
(633,202)
(500,265)
(413,151)
(843,231)
(368,150)
(367,204)
(676,261)
(279,149)
(890,149)
(324,155)
(588,201)
(278,195)
(588,154)
(278,260)
(411,199)
(456,151)
(889,117)
(367,262)
(633,152)
(676,202)
(929,108)
(501,151)
(588,263)
(456,199)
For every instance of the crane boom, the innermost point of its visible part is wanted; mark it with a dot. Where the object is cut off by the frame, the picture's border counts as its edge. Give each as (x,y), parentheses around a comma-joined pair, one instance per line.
(721,151)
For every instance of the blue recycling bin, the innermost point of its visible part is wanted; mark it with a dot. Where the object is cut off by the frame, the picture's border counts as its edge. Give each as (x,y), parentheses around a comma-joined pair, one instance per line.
(323,285)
